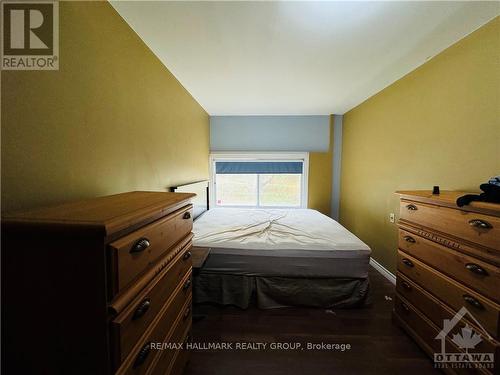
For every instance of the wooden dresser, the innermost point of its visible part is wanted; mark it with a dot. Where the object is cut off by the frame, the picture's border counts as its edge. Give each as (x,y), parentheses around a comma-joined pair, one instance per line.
(449,258)
(90,287)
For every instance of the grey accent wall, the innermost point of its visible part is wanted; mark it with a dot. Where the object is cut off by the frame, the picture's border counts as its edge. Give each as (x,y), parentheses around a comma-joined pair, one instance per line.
(336,164)
(269,133)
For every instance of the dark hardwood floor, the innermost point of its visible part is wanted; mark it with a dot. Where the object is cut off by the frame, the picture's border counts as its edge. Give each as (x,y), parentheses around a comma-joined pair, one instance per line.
(377,345)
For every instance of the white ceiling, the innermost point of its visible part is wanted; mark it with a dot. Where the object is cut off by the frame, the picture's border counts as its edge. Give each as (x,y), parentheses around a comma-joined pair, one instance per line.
(256,58)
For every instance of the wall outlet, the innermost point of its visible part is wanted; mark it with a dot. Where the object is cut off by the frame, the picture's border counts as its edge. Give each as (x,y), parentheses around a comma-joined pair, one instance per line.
(392,217)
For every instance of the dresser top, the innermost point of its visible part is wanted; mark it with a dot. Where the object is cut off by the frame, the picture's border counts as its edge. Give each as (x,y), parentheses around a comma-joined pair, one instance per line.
(112,213)
(449,198)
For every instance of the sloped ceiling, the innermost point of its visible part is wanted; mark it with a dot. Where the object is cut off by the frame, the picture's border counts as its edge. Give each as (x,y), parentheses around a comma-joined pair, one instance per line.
(257,58)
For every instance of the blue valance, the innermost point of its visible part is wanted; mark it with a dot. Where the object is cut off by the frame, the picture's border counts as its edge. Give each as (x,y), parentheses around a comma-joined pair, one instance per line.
(254,167)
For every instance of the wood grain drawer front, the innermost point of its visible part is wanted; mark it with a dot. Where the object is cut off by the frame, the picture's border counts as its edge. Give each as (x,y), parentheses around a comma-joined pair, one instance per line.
(129,326)
(135,253)
(450,292)
(480,276)
(422,326)
(143,356)
(180,362)
(426,333)
(166,359)
(477,228)
(437,312)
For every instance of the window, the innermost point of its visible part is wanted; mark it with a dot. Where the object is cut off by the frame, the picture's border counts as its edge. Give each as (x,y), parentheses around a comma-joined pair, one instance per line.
(259,180)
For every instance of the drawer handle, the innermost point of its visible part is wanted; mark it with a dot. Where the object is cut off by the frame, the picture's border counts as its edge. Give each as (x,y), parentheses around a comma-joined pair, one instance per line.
(142,355)
(140,245)
(405,307)
(409,239)
(477,269)
(141,309)
(187,215)
(187,284)
(478,223)
(187,255)
(407,262)
(411,207)
(406,285)
(186,314)
(472,301)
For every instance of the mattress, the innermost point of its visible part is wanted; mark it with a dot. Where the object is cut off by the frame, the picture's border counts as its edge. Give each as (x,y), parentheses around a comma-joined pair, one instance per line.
(279,242)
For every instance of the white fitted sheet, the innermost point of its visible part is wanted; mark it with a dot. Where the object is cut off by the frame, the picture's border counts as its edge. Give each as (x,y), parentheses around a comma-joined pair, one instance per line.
(279,242)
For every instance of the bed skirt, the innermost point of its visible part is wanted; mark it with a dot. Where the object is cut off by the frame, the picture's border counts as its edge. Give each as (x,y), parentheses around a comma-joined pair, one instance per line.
(269,292)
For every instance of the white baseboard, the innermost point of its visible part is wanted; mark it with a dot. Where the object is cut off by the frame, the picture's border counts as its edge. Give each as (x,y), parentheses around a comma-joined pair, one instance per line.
(383,271)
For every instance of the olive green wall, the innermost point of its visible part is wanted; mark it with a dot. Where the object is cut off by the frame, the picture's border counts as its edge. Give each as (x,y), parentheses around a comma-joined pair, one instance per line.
(319,187)
(439,125)
(112,119)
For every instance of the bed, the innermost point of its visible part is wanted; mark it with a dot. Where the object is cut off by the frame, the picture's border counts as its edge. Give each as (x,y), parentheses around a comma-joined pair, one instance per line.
(279,257)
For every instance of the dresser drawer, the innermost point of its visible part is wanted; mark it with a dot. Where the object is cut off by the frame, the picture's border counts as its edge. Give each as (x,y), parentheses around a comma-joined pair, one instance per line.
(420,325)
(129,326)
(480,276)
(133,254)
(167,358)
(477,228)
(450,292)
(437,312)
(425,332)
(180,362)
(178,311)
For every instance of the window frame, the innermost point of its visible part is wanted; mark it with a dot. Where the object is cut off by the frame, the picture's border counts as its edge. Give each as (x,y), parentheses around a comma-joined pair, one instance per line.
(261,157)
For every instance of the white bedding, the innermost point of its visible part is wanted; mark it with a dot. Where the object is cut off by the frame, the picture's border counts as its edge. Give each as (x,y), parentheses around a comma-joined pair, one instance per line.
(273,229)
(279,242)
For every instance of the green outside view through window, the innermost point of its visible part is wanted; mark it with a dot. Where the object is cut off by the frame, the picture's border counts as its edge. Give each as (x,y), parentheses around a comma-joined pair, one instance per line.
(259,190)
